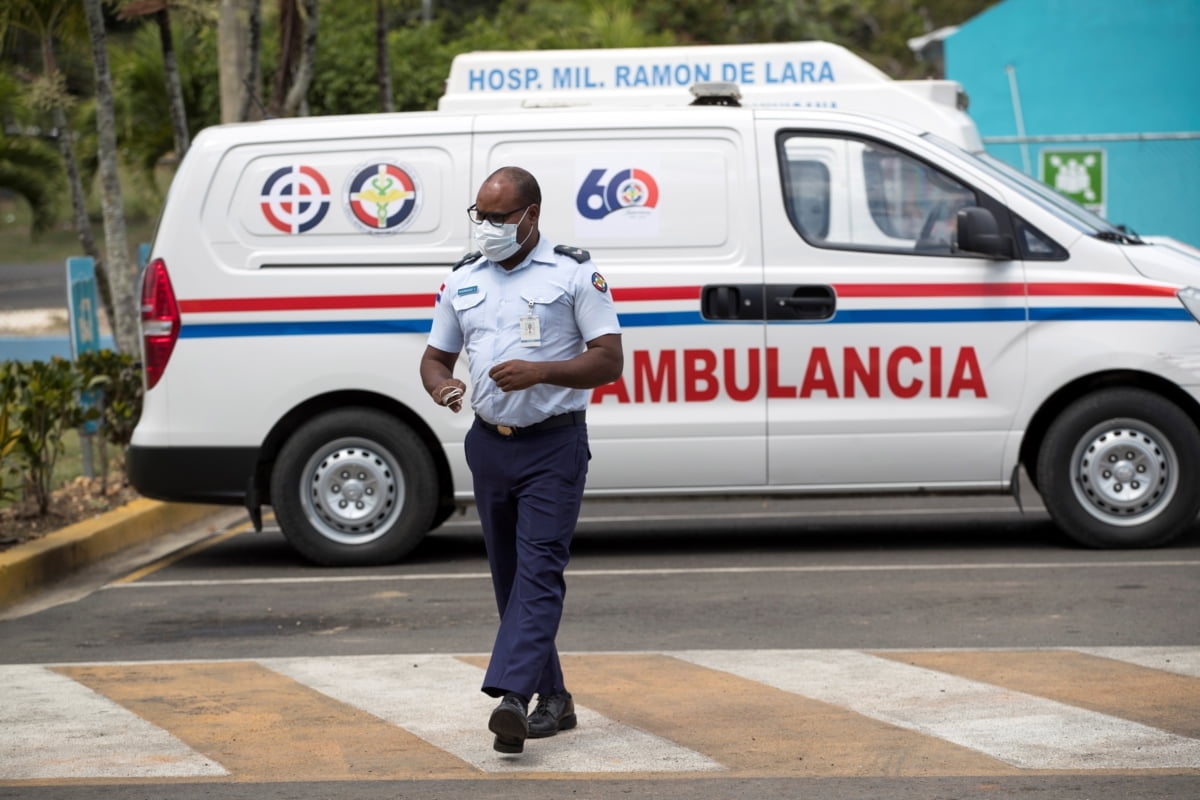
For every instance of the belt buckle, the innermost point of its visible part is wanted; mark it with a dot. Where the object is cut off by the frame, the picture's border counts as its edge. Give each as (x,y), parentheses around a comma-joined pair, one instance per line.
(504,430)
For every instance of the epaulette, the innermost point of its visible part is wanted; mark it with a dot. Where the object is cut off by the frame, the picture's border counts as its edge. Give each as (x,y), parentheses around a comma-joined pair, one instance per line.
(467,259)
(577,253)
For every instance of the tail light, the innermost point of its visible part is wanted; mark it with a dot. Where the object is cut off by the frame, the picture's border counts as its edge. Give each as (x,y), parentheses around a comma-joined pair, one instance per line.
(160,320)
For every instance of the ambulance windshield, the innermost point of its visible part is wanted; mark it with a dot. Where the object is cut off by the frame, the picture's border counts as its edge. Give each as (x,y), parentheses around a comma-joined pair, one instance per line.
(1062,206)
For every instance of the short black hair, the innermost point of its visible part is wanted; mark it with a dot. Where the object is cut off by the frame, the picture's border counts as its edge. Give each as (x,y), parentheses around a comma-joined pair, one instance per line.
(528,191)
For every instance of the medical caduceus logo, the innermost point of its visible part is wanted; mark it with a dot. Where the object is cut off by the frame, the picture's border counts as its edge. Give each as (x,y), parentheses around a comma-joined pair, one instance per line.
(382,197)
(295,199)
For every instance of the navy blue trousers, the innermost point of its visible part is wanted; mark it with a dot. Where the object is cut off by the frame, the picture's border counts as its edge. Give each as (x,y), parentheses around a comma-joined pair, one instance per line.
(528,491)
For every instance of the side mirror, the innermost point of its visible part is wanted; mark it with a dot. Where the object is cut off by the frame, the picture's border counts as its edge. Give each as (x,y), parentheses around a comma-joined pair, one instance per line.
(978,233)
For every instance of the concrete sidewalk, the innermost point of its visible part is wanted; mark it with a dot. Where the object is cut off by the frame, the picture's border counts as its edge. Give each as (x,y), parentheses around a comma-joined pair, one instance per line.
(38,564)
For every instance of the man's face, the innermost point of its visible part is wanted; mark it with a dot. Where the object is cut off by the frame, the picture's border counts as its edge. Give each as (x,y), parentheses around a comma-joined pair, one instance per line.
(498,203)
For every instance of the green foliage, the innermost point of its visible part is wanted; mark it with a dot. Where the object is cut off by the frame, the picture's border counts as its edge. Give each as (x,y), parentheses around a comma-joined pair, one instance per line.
(9,436)
(119,378)
(141,99)
(45,398)
(33,169)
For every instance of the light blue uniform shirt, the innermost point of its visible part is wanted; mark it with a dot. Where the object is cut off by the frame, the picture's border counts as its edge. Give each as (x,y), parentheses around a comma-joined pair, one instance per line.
(480,306)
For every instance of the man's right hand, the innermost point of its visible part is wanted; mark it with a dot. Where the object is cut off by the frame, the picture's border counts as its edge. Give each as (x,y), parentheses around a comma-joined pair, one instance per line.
(450,394)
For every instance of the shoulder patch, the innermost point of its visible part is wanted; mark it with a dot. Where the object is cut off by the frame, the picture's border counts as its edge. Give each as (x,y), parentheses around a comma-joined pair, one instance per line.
(467,259)
(577,253)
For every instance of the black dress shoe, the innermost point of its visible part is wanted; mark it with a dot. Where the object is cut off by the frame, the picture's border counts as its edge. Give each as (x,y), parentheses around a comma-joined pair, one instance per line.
(553,713)
(509,724)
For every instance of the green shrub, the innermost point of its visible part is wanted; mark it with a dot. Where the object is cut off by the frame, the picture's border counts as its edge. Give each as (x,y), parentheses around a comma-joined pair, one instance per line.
(9,435)
(45,398)
(119,377)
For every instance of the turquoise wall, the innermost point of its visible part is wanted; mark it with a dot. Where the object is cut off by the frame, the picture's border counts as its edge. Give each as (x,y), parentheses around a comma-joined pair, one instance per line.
(1096,67)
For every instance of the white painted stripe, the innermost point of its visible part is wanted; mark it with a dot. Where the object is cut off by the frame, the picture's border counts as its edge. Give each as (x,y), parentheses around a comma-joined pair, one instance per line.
(791,513)
(1020,729)
(57,728)
(437,698)
(606,573)
(1180,660)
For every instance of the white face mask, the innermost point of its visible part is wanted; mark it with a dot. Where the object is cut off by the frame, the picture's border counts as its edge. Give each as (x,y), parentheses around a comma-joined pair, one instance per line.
(498,242)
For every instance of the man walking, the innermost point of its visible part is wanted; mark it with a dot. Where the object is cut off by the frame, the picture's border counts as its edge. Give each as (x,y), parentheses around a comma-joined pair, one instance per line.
(539,329)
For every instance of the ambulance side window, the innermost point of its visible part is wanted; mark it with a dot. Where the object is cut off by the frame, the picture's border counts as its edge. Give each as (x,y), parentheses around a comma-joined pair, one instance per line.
(808,198)
(851,193)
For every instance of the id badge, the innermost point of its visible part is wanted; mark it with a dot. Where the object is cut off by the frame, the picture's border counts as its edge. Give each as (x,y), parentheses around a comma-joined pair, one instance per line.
(531,331)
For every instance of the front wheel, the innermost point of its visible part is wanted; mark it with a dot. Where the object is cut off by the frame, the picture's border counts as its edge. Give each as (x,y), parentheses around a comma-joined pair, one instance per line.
(1117,469)
(354,487)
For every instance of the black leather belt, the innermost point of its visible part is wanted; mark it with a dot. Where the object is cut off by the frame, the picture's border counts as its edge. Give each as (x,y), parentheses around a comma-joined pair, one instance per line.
(557,421)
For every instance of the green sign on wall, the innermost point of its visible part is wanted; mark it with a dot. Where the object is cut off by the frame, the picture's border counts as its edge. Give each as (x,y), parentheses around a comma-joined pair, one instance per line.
(1079,174)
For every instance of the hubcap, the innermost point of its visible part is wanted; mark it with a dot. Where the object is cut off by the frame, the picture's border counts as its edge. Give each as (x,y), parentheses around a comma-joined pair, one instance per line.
(352,491)
(1125,472)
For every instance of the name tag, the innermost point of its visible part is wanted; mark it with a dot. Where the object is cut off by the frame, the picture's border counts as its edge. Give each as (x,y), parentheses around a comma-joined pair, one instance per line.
(531,331)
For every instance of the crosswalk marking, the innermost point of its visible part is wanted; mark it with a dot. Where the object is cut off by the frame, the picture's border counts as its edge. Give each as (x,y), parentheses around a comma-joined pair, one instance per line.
(261,725)
(755,728)
(1020,729)
(55,727)
(1179,660)
(434,697)
(741,714)
(1158,699)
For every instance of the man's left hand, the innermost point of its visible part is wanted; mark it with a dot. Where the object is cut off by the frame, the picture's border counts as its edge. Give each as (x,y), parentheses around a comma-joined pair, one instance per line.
(512,376)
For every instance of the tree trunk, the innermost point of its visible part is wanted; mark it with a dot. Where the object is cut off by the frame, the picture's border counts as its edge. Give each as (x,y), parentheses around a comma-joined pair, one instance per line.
(174,87)
(383,69)
(121,270)
(252,106)
(297,97)
(232,35)
(66,146)
(289,54)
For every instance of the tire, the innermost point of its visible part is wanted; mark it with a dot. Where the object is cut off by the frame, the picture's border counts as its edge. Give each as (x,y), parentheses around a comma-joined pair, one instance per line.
(354,487)
(1117,469)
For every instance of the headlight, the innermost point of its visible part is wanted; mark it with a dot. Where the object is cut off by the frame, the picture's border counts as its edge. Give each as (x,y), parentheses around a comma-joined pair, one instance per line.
(1190,297)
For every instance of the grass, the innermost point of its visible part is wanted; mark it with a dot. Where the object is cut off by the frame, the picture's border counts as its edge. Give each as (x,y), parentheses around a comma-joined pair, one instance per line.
(17,246)
(69,465)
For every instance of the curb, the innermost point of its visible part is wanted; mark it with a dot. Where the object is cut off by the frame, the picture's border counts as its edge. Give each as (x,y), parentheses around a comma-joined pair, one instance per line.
(31,566)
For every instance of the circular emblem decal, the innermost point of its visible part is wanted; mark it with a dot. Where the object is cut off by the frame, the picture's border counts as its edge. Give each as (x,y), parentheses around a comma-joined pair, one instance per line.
(295,199)
(382,197)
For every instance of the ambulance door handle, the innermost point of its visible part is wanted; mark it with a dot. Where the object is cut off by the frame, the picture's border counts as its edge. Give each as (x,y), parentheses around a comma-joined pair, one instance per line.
(812,302)
(732,302)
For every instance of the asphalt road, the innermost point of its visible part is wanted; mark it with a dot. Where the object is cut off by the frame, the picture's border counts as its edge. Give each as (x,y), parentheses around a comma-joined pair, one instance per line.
(826,648)
(25,286)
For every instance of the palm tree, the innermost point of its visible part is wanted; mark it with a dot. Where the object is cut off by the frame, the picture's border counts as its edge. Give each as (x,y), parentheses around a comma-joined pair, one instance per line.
(383,70)
(24,164)
(122,272)
(61,20)
(297,56)
(162,18)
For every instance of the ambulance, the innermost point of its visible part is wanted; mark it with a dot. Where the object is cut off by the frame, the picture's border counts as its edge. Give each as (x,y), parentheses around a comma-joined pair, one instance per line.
(832,295)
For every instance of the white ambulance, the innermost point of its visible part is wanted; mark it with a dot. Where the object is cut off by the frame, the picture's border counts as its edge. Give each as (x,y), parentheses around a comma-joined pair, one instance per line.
(812,301)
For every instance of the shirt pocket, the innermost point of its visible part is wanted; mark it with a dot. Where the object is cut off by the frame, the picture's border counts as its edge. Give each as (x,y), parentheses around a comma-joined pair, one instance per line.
(556,317)
(471,311)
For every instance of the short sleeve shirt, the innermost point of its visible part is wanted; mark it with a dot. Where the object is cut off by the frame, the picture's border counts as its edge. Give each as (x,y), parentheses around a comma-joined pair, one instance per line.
(480,308)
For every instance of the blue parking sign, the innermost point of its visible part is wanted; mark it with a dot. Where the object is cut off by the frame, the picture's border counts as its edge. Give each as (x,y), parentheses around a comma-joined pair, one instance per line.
(84,307)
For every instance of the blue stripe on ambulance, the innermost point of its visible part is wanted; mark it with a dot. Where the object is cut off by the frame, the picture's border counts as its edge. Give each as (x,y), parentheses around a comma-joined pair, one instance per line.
(217,330)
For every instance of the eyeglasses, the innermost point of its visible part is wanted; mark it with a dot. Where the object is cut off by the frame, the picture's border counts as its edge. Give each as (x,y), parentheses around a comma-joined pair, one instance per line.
(495,217)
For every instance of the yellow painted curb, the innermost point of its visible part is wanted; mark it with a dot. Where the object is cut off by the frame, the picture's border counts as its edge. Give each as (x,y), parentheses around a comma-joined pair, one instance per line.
(32,565)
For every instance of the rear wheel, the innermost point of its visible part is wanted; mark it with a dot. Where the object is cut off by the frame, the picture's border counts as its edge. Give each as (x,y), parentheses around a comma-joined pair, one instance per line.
(354,487)
(1117,469)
